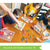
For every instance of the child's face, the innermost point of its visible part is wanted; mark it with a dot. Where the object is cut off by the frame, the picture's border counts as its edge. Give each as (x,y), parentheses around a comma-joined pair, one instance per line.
(48,16)
(37,6)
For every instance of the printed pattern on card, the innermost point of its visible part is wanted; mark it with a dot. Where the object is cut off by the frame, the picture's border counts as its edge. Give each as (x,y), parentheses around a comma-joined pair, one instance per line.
(22,23)
(8,35)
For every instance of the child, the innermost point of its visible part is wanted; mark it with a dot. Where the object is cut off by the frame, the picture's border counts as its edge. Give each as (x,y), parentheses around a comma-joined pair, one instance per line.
(8,19)
(31,9)
(2,25)
(3,6)
(44,19)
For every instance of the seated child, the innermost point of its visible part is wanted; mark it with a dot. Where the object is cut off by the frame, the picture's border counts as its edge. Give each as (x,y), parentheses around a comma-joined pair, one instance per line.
(4,7)
(8,19)
(44,19)
(31,9)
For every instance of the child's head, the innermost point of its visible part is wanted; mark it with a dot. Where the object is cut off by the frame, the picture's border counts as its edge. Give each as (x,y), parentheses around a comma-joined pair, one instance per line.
(15,12)
(47,14)
(36,5)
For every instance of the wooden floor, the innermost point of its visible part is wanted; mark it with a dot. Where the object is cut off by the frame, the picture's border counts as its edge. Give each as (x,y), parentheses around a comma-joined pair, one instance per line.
(29,36)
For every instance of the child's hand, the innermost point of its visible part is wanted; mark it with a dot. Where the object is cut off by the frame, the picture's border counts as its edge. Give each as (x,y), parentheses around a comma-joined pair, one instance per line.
(41,23)
(24,15)
(19,25)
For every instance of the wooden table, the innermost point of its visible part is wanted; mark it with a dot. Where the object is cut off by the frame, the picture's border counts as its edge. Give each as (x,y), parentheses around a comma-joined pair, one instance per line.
(29,36)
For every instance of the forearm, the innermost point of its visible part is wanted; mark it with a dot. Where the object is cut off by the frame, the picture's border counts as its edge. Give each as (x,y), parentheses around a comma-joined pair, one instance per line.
(13,17)
(4,7)
(41,23)
(26,9)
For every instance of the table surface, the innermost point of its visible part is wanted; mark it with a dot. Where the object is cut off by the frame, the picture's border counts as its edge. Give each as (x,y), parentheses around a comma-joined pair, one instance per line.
(29,36)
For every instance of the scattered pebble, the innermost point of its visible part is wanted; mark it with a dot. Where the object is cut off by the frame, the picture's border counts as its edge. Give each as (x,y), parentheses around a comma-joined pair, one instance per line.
(23,38)
(26,37)
(23,31)
(28,30)
(33,35)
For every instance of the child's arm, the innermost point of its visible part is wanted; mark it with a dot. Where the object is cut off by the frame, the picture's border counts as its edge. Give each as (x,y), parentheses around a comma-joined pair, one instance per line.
(26,10)
(41,23)
(4,7)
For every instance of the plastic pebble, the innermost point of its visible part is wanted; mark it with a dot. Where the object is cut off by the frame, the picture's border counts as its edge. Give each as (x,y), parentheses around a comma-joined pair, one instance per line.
(33,35)
(23,31)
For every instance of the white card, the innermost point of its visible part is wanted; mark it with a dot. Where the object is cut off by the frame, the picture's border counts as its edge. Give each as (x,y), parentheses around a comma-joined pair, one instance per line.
(31,12)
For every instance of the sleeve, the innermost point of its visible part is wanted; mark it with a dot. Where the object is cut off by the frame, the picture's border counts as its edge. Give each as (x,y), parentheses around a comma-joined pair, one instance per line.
(26,8)
(2,22)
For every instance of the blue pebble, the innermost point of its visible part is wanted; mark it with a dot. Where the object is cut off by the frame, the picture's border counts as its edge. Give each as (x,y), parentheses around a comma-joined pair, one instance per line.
(22,39)
(33,35)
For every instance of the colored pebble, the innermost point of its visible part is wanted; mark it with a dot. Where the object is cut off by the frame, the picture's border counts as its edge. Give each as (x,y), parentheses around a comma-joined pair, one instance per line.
(23,31)
(30,36)
(33,35)
(26,37)
(23,38)
(28,30)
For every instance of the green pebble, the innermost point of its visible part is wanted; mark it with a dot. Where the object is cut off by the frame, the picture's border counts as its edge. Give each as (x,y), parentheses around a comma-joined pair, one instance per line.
(33,35)
(28,30)
(30,36)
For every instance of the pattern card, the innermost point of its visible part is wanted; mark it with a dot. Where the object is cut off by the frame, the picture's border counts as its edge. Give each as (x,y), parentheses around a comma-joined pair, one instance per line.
(22,23)
(31,12)
(37,28)
(46,33)
(44,26)
(26,19)
(8,35)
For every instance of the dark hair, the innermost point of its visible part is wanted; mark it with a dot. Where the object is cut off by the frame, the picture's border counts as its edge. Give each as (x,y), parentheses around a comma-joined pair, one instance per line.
(34,4)
(15,11)
(48,12)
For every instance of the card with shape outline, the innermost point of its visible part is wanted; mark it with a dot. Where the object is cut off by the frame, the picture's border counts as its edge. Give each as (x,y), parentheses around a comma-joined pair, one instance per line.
(8,35)
(22,23)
